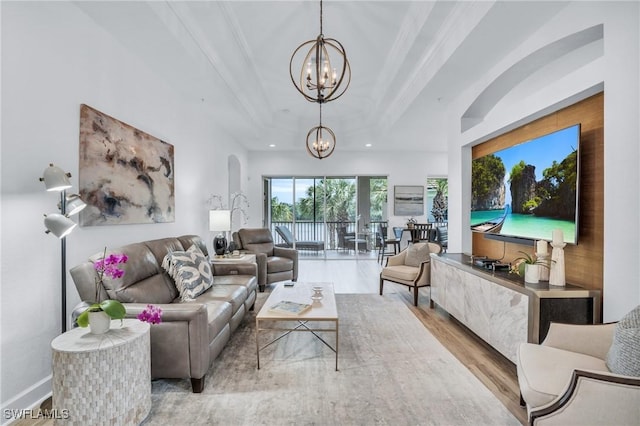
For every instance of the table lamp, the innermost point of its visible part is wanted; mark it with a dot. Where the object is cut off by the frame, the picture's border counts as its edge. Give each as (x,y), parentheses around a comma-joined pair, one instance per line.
(220,221)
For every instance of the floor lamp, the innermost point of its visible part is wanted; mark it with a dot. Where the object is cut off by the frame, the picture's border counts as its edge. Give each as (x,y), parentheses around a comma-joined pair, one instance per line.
(59,224)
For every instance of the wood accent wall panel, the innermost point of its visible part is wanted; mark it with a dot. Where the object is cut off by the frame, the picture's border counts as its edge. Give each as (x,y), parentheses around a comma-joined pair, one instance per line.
(584,261)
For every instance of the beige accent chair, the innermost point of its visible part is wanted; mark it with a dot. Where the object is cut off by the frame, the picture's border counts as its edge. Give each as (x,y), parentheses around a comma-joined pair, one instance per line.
(410,267)
(274,263)
(565,380)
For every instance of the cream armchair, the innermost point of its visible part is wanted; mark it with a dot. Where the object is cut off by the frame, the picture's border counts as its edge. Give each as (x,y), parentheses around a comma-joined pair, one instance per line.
(410,267)
(566,381)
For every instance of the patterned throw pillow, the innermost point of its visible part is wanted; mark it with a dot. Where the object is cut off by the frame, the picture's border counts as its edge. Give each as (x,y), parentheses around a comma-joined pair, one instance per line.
(416,254)
(190,270)
(624,354)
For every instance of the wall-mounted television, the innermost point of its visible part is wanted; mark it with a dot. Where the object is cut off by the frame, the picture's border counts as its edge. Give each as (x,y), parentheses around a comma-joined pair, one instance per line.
(529,189)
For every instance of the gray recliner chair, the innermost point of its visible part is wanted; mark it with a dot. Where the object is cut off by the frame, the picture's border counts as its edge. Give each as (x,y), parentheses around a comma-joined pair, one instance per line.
(274,263)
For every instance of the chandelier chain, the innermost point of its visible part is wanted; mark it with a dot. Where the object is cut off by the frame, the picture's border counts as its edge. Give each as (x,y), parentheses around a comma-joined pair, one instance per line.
(321,33)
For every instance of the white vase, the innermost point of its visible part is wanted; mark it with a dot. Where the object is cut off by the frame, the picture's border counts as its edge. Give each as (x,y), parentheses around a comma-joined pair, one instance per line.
(531,273)
(99,322)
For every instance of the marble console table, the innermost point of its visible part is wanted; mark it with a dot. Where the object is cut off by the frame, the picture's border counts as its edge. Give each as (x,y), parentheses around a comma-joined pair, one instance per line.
(500,308)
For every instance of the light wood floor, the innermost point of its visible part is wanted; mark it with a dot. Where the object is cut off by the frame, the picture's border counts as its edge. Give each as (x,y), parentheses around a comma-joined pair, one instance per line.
(496,372)
(362,276)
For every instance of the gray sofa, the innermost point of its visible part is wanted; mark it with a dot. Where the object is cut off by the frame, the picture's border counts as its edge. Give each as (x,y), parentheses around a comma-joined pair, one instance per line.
(192,333)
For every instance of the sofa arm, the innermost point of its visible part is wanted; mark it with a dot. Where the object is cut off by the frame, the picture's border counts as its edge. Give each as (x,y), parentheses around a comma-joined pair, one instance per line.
(261,261)
(592,398)
(180,343)
(591,339)
(235,269)
(289,253)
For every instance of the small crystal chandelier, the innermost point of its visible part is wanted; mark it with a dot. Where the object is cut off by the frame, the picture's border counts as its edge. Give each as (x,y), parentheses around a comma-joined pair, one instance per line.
(321,141)
(320,81)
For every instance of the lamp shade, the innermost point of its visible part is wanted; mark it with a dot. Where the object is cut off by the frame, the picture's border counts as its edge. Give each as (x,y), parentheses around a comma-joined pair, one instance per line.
(219,220)
(55,179)
(74,204)
(59,225)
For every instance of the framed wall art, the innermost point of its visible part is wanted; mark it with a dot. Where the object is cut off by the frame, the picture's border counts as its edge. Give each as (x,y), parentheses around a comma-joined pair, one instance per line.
(126,175)
(408,200)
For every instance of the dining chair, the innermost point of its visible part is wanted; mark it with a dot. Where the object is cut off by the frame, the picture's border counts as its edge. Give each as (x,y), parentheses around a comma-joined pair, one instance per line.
(386,241)
(421,233)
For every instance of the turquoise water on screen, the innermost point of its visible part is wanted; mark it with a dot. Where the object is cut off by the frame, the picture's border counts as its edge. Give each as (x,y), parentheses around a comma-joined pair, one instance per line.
(527,226)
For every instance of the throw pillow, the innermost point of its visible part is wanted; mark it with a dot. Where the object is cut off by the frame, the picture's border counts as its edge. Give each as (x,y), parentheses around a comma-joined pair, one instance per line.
(624,355)
(416,254)
(190,270)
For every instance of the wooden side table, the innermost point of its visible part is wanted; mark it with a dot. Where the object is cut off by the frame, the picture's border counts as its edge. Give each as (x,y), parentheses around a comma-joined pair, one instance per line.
(103,379)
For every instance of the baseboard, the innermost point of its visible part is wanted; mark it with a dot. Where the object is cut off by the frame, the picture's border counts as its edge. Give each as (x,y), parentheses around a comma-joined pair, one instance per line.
(29,399)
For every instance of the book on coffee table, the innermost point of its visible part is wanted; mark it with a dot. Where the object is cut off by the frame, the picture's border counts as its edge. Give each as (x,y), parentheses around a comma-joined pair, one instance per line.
(290,308)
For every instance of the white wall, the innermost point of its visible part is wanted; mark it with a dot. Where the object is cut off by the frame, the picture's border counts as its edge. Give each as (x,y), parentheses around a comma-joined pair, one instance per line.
(54,58)
(617,71)
(401,168)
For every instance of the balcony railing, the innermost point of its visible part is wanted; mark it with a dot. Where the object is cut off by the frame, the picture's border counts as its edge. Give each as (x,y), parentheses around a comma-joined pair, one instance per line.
(321,231)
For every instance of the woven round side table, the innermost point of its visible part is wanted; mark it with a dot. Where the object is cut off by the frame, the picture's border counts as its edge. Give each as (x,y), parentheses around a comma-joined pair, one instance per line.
(103,379)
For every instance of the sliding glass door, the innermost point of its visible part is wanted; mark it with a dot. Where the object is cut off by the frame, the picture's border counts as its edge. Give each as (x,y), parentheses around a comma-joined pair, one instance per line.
(336,217)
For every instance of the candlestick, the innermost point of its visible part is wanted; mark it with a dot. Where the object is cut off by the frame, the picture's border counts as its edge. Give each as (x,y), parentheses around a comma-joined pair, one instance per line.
(541,247)
(543,258)
(558,237)
(556,276)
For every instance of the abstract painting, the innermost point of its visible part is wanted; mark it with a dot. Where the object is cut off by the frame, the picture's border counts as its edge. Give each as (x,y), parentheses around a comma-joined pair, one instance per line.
(126,175)
(408,200)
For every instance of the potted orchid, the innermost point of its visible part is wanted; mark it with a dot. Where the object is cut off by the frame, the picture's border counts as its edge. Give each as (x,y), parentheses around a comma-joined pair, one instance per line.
(529,266)
(100,314)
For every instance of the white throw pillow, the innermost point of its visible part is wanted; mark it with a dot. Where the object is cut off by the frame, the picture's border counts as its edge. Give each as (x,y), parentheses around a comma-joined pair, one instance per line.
(190,270)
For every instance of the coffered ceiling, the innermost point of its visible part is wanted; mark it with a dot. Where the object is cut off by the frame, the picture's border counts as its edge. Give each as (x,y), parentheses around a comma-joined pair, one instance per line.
(408,60)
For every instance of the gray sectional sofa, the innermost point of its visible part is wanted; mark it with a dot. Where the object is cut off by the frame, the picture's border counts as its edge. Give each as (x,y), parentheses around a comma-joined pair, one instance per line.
(192,333)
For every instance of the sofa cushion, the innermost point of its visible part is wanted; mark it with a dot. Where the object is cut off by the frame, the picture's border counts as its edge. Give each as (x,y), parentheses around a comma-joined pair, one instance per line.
(416,254)
(400,272)
(248,281)
(545,371)
(234,294)
(191,271)
(219,314)
(162,246)
(624,355)
(143,281)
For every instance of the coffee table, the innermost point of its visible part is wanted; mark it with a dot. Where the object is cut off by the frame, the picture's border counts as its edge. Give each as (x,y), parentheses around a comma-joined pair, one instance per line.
(322,311)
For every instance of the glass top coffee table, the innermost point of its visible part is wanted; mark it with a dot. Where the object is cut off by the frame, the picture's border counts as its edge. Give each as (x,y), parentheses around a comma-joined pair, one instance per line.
(321,317)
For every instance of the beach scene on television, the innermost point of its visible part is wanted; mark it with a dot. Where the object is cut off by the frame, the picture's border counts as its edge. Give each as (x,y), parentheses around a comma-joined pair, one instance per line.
(529,189)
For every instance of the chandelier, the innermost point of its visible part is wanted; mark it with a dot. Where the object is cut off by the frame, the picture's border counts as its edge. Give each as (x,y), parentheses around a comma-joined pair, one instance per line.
(322,78)
(321,141)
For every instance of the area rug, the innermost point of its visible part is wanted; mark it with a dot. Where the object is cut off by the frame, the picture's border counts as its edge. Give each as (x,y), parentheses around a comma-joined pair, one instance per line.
(391,371)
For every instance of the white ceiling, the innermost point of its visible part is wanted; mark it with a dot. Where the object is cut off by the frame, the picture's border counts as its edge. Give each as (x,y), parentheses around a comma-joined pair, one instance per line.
(408,59)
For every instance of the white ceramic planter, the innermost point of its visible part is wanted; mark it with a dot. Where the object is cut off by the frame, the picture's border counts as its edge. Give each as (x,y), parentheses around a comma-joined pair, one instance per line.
(99,322)
(531,273)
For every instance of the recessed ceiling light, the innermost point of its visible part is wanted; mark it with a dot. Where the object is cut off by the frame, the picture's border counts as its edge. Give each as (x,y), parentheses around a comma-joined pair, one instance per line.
(368,145)
(272,145)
